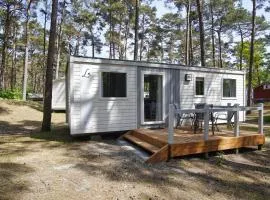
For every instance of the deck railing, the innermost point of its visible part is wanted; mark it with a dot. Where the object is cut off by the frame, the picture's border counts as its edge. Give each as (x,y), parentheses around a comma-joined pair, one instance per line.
(206,110)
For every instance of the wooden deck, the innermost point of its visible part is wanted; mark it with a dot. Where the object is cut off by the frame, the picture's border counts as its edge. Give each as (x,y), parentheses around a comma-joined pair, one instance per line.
(187,143)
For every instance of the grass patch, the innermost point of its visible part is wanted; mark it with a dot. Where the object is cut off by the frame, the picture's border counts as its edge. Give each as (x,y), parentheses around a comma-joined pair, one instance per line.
(11,94)
(32,104)
(254,129)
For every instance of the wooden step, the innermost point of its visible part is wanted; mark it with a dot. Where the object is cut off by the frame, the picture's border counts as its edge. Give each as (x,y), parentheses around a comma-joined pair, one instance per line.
(143,144)
(147,138)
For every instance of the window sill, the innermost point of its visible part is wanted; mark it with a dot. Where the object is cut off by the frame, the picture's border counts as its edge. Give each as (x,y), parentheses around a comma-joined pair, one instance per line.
(153,122)
(199,96)
(229,98)
(113,98)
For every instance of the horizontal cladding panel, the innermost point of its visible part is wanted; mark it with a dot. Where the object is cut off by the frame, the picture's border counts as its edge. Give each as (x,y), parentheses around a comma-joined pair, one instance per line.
(98,111)
(110,104)
(99,101)
(74,106)
(76,115)
(76,73)
(99,114)
(75,110)
(108,122)
(78,131)
(94,74)
(213,89)
(95,92)
(109,126)
(75,92)
(108,107)
(91,84)
(112,116)
(95,95)
(88,125)
(112,68)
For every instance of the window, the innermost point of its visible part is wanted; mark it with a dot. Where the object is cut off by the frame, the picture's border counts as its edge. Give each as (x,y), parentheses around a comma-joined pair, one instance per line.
(229,88)
(114,84)
(199,86)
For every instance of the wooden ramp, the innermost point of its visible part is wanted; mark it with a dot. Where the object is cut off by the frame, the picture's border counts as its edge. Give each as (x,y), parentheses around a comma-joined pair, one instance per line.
(187,143)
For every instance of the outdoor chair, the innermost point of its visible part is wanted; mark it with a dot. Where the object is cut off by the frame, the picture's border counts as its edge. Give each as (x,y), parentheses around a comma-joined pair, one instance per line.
(199,118)
(180,118)
(224,116)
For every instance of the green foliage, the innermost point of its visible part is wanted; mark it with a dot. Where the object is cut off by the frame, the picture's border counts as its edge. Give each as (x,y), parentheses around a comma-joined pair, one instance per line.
(11,94)
(260,69)
(220,158)
(267,119)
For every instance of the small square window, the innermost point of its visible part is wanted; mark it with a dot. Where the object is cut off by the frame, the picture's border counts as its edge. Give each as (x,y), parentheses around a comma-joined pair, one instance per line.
(114,84)
(199,86)
(229,88)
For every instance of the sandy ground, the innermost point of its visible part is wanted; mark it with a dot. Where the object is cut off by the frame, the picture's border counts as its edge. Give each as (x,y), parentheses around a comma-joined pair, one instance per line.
(35,165)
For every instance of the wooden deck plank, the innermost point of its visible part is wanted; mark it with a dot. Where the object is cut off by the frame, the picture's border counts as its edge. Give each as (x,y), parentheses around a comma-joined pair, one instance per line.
(186,142)
(149,137)
(210,146)
(149,147)
(161,155)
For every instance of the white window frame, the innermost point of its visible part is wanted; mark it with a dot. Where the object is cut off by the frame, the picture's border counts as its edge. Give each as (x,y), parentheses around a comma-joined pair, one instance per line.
(142,97)
(101,86)
(194,89)
(230,98)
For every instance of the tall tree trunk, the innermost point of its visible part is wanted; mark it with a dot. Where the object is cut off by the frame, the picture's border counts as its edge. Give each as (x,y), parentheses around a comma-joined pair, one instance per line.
(136,30)
(77,47)
(35,82)
(110,33)
(13,65)
(93,44)
(191,59)
(4,48)
(25,69)
(44,44)
(46,123)
(258,75)
(220,49)
(241,48)
(251,60)
(59,40)
(126,39)
(171,44)
(113,41)
(201,27)
(213,35)
(120,52)
(142,37)
(187,62)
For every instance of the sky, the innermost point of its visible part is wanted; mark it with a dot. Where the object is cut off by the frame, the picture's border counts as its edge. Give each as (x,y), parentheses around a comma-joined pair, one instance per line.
(161,8)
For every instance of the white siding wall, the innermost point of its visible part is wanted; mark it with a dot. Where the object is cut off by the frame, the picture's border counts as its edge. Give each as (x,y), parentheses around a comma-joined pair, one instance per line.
(213,90)
(90,113)
(59,95)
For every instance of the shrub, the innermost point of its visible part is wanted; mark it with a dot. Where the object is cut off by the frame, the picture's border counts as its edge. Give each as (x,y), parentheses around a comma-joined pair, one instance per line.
(10,94)
(266,119)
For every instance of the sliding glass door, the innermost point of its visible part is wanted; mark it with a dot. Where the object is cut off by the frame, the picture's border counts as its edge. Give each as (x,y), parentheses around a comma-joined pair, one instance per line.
(152,98)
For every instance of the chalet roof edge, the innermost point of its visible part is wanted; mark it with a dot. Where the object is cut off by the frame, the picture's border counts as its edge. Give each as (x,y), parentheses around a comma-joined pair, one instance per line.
(81,59)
